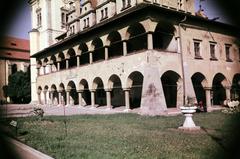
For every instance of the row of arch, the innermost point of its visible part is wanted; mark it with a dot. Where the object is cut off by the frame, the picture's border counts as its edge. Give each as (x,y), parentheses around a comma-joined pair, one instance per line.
(171,80)
(135,38)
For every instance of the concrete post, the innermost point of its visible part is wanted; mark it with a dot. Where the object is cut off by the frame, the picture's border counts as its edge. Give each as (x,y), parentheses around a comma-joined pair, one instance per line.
(150,40)
(106,52)
(108,96)
(127,101)
(93,98)
(78,61)
(124,48)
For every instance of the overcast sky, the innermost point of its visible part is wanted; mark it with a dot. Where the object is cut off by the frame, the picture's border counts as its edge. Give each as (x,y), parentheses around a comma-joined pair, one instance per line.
(22,22)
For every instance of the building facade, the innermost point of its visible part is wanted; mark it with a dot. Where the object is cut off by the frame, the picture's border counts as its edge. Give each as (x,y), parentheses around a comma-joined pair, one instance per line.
(14,56)
(152,54)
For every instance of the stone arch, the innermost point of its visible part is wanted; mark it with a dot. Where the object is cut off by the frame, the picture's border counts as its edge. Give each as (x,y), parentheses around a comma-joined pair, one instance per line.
(218,88)
(199,82)
(99,51)
(86,94)
(73,95)
(61,58)
(135,82)
(53,60)
(72,58)
(235,88)
(163,37)
(84,54)
(137,38)
(117,93)
(63,99)
(115,44)
(100,93)
(54,92)
(170,81)
(45,61)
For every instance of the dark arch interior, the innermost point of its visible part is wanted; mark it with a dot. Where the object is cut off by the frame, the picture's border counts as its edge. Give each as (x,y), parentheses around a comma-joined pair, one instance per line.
(197,79)
(235,91)
(54,61)
(100,92)
(138,38)
(169,82)
(62,61)
(162,36)
(136,89)
(99,51)
(117,94)
(219,93)
(73,58)
(73,92)
(86,95)
(116,45)
(84,58)
(55,94)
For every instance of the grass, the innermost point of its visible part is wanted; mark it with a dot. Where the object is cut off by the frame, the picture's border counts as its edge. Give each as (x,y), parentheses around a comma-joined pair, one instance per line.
(130,136)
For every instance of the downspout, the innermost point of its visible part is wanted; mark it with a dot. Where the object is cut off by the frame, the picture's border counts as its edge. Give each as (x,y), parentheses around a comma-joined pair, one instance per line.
(182,62)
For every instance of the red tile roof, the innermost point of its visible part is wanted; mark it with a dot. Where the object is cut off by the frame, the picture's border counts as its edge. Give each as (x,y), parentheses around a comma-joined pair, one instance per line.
(14,48)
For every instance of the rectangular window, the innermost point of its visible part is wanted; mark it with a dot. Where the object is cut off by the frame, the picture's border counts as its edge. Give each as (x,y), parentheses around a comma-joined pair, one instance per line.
(227,51)
(39,18)
(197,50)
(87,22)
(102,14)
(213,51)
(106,12)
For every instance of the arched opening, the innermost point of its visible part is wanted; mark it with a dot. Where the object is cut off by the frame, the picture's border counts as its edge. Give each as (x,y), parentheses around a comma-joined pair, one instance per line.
(63,99)
(61,58)
(235,91)
(135,82)
(72,58)
(163,36)
(219,92)
(39,91)
(46,95)
(138,38)
(40,67)
(117,94)
(54,92)
(73,93)
(169,82)
(84,57)
(200,93)
(54,63)
(86,94)
(100,93)
(14,68)
(116,46)
(99,51)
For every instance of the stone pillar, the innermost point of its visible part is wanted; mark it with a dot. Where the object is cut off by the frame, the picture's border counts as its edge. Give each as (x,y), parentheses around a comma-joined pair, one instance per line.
(80,97)
(228,93)
(90,57)
(127,99)
(45,97)
(38,71)
(106,52)
(124,48)
(108,96)
(51,97)
(44,69)
(78,61)
(93,98)
(208,98)
(67,64)
(51,69)
(58,65)
(150,40)
(39,97)
(68,97)
(60,98)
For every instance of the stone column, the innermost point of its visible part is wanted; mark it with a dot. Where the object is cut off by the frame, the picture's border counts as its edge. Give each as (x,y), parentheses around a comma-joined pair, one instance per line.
(45,97)
(90,57)
(106,52)
(38,71)
(58,65)
(68,97)
(80,97)
(228,92)
(39,97)
(78,60)
(208,98)
(124,48)
(51,69)
(150,40)
(127,99)
(67,63)
(108,96)
(44,69)
(60,98)
(93,98)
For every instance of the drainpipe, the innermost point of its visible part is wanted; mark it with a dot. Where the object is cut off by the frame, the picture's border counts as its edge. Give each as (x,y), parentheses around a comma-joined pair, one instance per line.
(182,62)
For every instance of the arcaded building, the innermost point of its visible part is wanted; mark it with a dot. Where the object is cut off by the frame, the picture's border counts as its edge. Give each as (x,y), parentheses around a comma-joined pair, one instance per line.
(147,54)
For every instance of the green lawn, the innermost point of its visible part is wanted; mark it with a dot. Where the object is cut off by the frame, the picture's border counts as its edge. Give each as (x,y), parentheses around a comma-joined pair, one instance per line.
(131,136)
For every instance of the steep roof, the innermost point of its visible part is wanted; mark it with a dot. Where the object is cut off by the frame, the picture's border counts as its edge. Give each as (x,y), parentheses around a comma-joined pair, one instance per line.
(14,48)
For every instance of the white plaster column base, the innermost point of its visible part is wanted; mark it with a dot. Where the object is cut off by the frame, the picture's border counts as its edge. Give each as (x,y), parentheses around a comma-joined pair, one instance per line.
(126,110)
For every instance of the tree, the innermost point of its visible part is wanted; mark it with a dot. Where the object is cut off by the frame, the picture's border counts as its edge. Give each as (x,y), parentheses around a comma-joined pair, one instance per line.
(19,87)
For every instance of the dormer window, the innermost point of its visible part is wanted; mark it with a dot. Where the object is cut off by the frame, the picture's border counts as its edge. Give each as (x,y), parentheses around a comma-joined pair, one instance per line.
(39,17)
(86,23)
(104,13)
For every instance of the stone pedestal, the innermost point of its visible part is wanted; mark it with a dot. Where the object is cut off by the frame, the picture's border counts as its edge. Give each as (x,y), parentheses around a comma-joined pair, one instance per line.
(189,123)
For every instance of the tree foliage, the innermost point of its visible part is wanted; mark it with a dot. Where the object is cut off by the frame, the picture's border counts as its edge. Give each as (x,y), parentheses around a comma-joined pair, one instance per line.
(19,87)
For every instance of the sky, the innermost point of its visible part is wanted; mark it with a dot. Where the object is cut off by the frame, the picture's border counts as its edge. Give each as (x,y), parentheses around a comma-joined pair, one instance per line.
(22,22)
